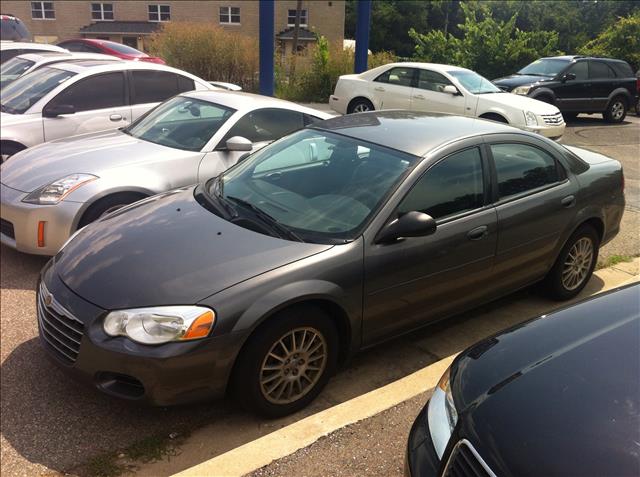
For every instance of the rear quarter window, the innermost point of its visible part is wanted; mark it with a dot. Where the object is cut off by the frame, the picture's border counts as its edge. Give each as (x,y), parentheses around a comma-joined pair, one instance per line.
(622,69)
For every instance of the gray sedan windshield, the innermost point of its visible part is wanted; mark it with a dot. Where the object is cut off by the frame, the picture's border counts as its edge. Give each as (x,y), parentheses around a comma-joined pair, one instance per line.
(474,83)
(29,89)
(181,123)
(318,184)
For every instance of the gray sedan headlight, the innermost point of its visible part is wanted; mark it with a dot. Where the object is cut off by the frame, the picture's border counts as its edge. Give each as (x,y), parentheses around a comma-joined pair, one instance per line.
(442,414)
(56,191)
(160,324)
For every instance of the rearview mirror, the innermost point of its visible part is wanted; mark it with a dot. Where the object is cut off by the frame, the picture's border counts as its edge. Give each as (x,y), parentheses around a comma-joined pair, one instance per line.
(239,143)
(411,224)
(450,89)
(568,77)
(58,110)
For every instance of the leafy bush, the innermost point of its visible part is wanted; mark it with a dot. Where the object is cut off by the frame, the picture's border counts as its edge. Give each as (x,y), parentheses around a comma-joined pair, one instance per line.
(491,47)
(208,51)
(620,40)
(317,71)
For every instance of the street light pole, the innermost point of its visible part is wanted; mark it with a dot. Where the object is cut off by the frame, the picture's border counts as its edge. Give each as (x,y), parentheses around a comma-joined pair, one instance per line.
(362,35)
(267,41)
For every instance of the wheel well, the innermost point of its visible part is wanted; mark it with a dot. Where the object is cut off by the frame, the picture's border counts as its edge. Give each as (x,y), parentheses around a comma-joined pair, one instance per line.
(545,97)
(494,117)
(96,203)
(596,224)
(7,142)
(622,96)
(356,99)
(337,314)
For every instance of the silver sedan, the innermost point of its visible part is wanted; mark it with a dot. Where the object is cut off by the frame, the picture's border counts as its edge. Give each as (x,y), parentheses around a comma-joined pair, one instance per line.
(51,190)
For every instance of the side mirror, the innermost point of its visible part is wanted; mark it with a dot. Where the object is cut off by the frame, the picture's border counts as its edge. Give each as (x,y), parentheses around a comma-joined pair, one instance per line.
(451,90)
(411,224)
(239,143)
(58,110)
(568,77)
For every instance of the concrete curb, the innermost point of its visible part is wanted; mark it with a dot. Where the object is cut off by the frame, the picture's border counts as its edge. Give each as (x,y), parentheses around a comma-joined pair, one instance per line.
(285,441)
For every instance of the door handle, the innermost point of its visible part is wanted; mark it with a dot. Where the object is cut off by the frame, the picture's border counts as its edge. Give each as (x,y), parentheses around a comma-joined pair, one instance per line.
(568,202)
(378,89)
(418,96)
(478,233)
(116,117)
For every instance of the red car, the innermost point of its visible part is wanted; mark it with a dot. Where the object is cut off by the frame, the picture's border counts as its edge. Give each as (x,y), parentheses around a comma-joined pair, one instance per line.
(106,47)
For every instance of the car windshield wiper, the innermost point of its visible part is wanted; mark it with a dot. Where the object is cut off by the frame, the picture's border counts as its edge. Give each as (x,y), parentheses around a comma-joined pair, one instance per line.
(284,231)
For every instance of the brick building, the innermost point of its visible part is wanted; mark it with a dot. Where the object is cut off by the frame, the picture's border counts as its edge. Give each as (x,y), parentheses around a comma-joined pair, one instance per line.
(130,21)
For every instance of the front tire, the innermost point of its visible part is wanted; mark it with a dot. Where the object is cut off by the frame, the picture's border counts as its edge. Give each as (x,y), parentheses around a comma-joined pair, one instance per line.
(616,111)
(286,364)
(360,105)
(574,266)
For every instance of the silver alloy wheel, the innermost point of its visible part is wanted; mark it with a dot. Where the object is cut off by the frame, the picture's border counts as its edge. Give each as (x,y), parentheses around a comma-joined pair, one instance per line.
(293,365)
(577,264)
(361,108)
(617,110)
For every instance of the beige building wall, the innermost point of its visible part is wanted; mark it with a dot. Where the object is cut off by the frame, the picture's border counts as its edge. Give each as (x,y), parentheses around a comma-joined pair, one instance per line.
(325,17)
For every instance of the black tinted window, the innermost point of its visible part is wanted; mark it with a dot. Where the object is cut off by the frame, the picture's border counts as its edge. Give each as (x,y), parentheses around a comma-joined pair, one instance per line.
(622,69)
(452,186)
(580,69)
(154,86)
(521,168)
(599,70)
(432,81)
(266,125)
(185,84)
(84,94)
(72,46)
(401,76)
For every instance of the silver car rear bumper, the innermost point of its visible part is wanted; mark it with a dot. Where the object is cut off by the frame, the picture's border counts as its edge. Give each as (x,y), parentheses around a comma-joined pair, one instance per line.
(22,220)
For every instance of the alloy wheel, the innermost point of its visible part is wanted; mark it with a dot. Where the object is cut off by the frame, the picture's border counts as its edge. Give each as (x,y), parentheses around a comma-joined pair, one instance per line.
(361,108)
(617,110)
(577,264)
(293,365)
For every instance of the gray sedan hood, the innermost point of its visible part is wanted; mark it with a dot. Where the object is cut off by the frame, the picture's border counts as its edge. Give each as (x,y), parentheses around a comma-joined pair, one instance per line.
(88,153)
(168,250)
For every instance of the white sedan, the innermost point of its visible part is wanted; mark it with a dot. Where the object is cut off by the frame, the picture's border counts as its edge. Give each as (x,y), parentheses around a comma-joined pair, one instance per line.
(442,89)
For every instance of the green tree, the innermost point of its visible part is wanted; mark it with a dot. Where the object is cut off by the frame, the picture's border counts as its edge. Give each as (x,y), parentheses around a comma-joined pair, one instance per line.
(621,40)
(486,45)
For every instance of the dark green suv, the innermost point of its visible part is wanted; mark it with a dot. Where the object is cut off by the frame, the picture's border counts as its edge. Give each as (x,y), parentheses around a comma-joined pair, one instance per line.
(577,84)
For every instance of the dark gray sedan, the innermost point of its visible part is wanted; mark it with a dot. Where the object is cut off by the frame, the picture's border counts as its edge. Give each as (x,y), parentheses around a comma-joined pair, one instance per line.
(337,237)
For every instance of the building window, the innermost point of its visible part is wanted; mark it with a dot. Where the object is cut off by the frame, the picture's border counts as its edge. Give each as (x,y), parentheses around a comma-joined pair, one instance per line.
(159,13)
(291,19)
(102,11)
(42,11)
(230,15)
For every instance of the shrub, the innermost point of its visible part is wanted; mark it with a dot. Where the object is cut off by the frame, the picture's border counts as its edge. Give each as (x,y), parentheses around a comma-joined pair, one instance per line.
(208,51)
(620,40)
(317,71)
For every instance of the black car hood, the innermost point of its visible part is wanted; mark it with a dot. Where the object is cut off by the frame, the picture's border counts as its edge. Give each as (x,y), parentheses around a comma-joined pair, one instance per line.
(566,385)
(168,250)
(519,80)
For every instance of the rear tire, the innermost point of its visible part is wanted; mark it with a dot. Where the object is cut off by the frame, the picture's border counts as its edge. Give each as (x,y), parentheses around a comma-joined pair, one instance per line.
(574,266)
(275,376)
(360,105)
(616,110)
(107,205)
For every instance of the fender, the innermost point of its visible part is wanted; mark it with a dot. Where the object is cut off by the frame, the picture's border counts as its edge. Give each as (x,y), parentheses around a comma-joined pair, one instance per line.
(586,213)
(542,91)
(620,92)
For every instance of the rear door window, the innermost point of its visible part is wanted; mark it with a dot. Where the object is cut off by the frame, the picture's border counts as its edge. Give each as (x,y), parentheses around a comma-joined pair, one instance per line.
(600,70)
(400,76)
(521,168)
(154,86)
(83,94)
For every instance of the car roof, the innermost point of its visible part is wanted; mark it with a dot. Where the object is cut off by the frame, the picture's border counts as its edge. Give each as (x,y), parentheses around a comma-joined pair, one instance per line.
(413,132)
(60,56)
(242,101)
(20,45)
(110,65)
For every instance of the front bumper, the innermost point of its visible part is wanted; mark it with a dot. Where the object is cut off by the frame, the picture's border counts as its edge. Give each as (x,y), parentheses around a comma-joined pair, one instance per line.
(21,219)
(421,458)
(553,130)
(168,374)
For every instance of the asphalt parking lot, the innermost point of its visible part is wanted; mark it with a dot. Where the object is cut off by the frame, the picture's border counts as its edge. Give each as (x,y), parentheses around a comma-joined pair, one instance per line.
(52,425)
